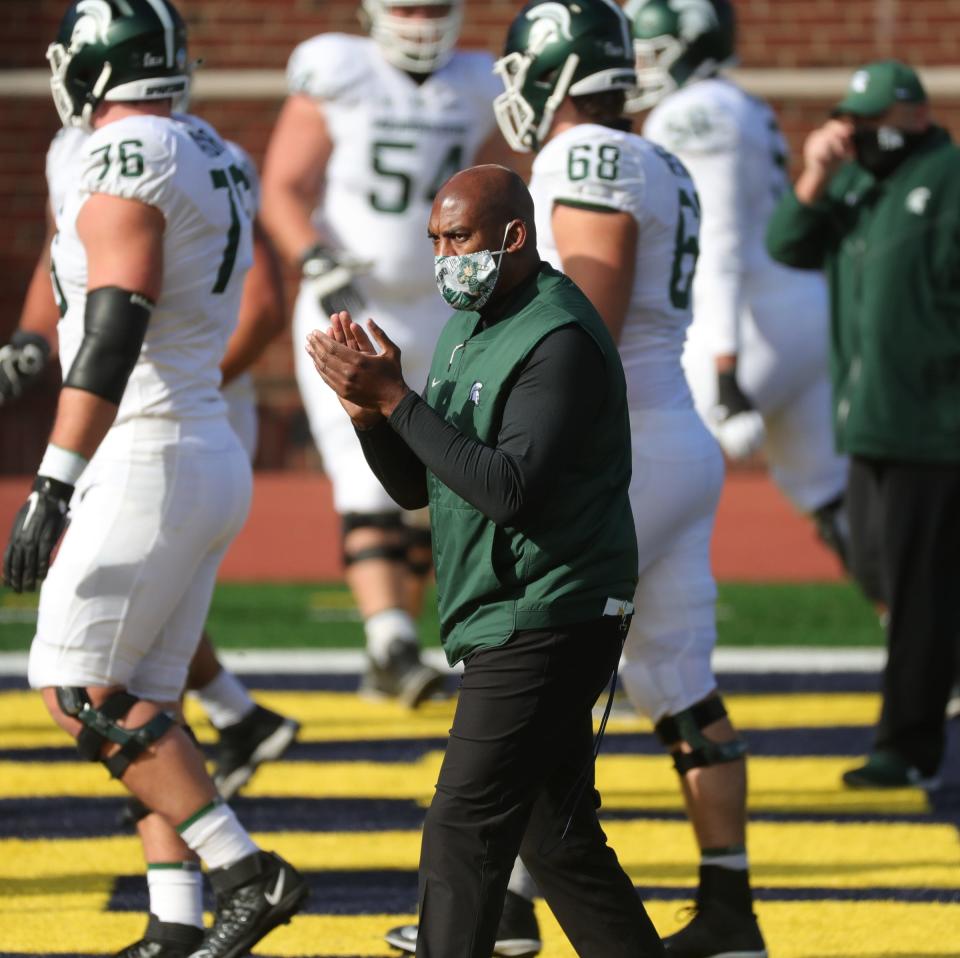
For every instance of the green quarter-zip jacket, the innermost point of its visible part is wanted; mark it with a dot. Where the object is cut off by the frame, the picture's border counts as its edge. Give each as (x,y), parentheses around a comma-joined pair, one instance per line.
(568,553)
(891,250)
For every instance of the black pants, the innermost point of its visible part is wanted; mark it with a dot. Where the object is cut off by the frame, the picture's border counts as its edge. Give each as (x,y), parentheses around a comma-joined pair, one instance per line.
(905,532)
(518,766)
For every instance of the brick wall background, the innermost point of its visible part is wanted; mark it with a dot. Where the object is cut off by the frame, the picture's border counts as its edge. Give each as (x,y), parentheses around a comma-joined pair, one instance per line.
(237,34)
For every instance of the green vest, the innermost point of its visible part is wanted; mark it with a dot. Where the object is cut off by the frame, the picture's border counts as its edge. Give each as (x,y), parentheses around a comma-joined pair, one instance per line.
(573,556)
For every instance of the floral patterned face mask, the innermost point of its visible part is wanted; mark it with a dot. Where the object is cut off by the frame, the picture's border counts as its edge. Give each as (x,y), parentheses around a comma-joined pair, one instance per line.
(468,281)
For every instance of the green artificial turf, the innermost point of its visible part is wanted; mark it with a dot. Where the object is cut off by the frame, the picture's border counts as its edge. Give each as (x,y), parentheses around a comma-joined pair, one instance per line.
(248,616)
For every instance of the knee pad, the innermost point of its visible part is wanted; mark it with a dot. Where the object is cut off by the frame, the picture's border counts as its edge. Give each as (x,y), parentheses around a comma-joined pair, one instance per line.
(100,728)
(395,551)
(687,726)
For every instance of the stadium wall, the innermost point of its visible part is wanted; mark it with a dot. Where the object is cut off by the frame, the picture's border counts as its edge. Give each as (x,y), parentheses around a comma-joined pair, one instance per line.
(796,52)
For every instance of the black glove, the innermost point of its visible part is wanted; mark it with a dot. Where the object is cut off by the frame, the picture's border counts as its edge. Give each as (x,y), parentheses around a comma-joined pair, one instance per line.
(737,426)
(22,361)
(36,532)
(330,275)
(730,398)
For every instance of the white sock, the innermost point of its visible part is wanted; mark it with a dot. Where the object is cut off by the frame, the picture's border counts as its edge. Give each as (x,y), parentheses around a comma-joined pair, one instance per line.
(176,893)
(521,882)
(733,860)
(225,700)
(216,836)
(386,627)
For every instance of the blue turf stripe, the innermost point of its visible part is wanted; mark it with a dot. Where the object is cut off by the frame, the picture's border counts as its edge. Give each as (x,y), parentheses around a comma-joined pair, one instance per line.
(67,817)
(387,891)
(845,740)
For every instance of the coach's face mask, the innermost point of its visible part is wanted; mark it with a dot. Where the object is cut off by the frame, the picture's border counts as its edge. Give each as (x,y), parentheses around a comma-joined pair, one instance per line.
(882,149)
(468,281)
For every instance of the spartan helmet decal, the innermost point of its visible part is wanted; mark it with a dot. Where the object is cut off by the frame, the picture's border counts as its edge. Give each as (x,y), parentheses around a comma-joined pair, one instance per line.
(551,24)
(93,24)
(696,17)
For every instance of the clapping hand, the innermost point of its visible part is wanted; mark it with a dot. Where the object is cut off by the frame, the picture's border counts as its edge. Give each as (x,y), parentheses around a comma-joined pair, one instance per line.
(369,383)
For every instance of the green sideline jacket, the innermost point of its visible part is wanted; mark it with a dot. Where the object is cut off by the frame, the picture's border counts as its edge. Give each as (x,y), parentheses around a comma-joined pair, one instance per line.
(891,249)
(572,557)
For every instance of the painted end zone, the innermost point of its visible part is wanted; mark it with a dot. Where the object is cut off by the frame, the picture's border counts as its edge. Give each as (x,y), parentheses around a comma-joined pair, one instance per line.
(293,533)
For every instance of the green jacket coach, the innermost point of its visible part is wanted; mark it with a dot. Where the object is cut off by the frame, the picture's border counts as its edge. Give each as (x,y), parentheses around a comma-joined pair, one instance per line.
(878,207)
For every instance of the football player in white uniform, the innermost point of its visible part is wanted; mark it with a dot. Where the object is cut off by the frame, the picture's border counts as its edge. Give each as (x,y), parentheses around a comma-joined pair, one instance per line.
(621,217)
(756,355)
(153,239)
(248,733)
(372,128)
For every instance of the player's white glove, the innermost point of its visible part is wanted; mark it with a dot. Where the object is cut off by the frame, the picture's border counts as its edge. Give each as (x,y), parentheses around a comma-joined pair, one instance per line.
(36,531)
(738,427)
(22,361)
(329,274)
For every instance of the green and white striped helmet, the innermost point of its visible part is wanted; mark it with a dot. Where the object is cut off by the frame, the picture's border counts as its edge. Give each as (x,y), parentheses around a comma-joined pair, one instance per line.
(676,42)
(555,49)
(117,50)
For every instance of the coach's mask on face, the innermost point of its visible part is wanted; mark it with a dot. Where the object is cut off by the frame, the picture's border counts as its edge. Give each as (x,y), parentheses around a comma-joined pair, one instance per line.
(468,281)
(880,150)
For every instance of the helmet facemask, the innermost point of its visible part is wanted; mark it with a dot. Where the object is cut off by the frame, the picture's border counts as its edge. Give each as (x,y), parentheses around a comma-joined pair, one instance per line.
(525,124)
(654,59)
(414,44)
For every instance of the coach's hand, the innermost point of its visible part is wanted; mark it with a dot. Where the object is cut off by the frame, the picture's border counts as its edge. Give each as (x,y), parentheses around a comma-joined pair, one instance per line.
(349,364)
(738,427)
(36,532)
(22,361)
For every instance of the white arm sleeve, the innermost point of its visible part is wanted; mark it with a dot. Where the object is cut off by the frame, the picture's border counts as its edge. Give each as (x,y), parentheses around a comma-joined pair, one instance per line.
(709,146)
(718,282)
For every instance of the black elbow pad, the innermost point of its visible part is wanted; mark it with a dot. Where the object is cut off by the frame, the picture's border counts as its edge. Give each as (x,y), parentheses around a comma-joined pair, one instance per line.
(114,325)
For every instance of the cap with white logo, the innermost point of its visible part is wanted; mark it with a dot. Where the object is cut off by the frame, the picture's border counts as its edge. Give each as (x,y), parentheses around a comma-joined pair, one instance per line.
(876,87)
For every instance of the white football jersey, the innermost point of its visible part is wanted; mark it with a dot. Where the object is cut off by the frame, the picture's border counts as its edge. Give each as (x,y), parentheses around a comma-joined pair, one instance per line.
(395,142)
(732,145)
(595,167)
(207,192)
(62,166)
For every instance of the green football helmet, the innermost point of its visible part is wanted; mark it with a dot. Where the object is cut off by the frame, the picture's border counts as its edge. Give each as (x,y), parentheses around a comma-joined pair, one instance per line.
(555,49)
(677,41)
(117,50)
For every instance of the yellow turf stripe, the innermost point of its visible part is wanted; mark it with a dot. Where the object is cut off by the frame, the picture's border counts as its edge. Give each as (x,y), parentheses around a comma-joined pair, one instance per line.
(625,781)
(327,716)
(792,930)
(829,855)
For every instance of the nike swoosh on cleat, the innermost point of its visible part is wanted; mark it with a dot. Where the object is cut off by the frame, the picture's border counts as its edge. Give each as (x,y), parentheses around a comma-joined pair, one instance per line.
(274,896)
(435,382)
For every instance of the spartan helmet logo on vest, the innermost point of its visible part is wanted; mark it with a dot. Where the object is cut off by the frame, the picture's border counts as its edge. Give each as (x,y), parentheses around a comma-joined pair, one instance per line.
(474,396)
(551,24)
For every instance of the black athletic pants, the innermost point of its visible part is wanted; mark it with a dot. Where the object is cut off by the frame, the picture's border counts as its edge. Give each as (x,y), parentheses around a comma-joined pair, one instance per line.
(518,765)
(905,529)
